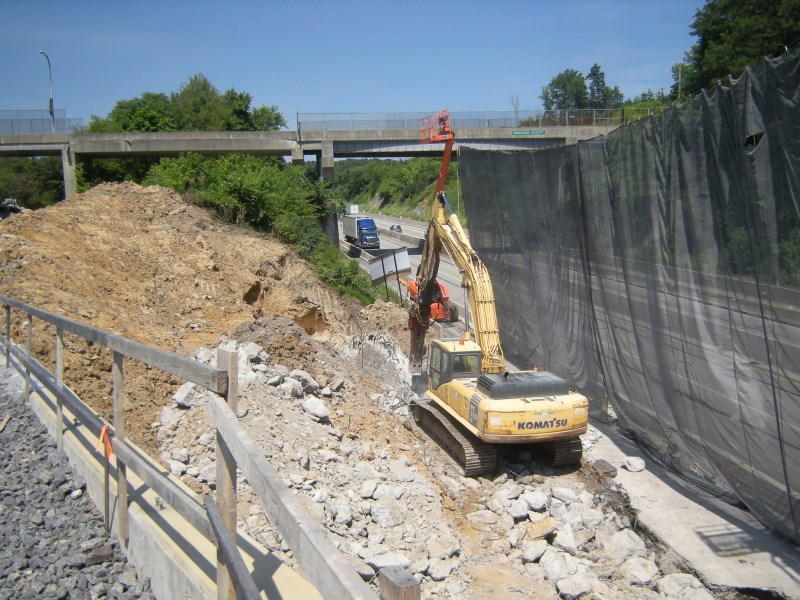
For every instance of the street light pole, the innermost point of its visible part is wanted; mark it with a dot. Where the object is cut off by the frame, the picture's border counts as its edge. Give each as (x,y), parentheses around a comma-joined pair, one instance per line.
(50,73)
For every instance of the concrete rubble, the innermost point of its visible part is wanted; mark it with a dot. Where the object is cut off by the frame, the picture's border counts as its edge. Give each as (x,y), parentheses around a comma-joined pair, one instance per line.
(552,535)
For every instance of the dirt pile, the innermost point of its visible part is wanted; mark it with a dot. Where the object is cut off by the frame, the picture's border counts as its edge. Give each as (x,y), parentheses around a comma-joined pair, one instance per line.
(143,263)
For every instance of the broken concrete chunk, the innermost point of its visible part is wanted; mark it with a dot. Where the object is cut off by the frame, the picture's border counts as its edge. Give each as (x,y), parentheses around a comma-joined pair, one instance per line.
(603,466)
(316,408)
(634,464)
(310,385)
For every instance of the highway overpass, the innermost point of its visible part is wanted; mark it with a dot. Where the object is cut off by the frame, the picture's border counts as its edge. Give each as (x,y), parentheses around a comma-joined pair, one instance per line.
(325,136)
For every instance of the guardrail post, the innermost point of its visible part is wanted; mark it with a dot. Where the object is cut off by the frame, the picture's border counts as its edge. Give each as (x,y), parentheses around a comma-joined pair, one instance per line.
(8,335)
(28,344)
(119,433)
(395,583)
(60,384)
(226,473)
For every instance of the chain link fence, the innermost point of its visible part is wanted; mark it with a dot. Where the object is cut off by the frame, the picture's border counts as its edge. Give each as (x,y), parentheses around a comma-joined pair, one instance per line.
(474,119)
(37,122)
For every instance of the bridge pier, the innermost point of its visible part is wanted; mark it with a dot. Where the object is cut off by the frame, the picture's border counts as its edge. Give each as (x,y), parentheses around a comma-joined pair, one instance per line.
(325,165)
(68,167)
(297,156)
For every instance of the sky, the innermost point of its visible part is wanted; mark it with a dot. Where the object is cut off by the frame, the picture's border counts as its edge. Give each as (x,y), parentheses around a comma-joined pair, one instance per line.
(311,56)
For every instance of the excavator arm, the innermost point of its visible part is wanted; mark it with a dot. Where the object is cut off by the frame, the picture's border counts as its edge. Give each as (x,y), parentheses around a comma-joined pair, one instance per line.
(445,231)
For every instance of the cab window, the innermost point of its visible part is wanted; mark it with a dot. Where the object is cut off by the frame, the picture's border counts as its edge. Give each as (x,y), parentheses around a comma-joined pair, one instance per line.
(466,364)
(435,366)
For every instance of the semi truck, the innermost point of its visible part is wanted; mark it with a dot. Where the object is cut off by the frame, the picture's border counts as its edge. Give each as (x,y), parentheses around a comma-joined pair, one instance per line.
(361,231)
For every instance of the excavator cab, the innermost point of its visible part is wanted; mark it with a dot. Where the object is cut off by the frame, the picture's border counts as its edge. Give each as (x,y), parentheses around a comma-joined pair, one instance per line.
(453,359)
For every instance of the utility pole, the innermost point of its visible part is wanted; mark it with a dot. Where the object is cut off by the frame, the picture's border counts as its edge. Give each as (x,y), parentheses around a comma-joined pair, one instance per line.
(50,73)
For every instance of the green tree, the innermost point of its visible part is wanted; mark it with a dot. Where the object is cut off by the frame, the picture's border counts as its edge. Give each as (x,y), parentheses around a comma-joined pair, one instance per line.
(267,118)
(198,106)
(566,91)
(733,34)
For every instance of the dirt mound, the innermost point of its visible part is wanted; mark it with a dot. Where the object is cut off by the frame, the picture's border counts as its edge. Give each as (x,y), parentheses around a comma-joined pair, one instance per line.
(144,263)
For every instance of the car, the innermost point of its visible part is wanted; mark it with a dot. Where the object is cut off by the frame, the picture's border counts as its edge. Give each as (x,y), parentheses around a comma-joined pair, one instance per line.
(396,228)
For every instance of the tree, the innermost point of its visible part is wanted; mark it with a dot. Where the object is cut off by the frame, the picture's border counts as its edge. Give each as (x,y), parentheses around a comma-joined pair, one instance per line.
(267,118)
(566,91)
(600,94)
(198,106)
(733,34)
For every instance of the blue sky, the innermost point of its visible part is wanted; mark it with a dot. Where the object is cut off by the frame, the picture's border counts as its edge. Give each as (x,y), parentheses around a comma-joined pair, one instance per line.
(348,56)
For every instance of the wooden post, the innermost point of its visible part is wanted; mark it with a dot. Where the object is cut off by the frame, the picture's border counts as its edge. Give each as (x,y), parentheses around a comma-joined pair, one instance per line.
(226,473)
(8,335)
(395,583)
(60,384)
(106,514)
(28,344)
(119,433)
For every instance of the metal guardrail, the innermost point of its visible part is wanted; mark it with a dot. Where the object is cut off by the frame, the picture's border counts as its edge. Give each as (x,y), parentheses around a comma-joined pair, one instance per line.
(474,119)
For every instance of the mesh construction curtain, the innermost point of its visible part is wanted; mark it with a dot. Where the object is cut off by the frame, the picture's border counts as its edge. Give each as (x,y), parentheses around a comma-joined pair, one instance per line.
(659,268)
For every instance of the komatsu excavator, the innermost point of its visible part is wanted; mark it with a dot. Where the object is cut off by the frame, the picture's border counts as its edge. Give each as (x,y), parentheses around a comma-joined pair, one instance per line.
(473,405)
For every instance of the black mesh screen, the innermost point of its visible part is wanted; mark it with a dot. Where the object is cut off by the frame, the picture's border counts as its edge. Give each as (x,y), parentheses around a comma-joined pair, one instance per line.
(658,268)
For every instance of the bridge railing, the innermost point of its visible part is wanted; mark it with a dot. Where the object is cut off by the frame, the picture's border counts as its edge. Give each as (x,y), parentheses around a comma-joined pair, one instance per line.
(474,119)
(36,122)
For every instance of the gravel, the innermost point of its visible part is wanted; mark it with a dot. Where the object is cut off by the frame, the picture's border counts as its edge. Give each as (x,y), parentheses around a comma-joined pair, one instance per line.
(52,540)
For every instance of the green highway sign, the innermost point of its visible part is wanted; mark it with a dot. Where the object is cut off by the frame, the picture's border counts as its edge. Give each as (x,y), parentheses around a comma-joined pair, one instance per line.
(528,132)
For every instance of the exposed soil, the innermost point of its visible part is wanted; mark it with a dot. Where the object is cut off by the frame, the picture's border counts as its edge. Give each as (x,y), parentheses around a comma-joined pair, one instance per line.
(143,263)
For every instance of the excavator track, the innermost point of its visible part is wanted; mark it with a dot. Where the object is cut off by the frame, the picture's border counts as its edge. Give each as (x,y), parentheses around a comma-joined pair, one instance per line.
(566,453)
(473,456)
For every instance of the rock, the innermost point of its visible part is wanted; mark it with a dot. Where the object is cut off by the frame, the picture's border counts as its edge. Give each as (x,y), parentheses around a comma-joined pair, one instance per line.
(638,571)
(337,384)
(342,512)
(565,540)
(442,547)
(682,586)
(634,464)
(605,467)
(310,385)
(557,565)
(275,380)
(193,472)
(320,496)
(532,551)
(439,569)
(622,545)
(181,455)
(189,396)
(387,559)
(564,494)
(542,529)
(402,471)
(316,408)
(483,517)
(292,387)
(206,439)
(518,509)
(99,555)
(574,587)
(208,474)
(536,500)
(177,468)
(388,512)
(170,416)
(368,488)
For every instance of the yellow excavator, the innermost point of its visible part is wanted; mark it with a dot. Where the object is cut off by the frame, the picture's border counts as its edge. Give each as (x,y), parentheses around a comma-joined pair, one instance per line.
(473,405)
